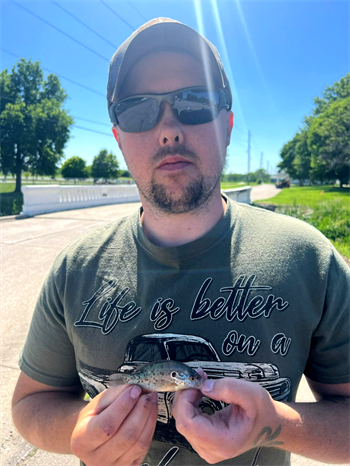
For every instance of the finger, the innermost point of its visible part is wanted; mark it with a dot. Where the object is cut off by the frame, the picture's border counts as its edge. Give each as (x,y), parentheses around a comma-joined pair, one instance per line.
(201,372)
(190,398)
(233,391)
(96,429)
(127,435)
(139,450)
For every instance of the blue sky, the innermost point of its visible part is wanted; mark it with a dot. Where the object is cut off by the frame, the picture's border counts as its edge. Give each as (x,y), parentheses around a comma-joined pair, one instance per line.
(278,54)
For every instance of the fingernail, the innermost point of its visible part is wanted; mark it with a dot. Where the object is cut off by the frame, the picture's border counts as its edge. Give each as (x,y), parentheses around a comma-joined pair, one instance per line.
(208,385)
(135,392)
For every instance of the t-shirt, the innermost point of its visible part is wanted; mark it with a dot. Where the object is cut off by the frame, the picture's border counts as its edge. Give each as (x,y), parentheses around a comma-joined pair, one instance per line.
(261,297)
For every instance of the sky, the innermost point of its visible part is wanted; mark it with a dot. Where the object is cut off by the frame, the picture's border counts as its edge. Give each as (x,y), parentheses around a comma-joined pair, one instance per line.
(279,55)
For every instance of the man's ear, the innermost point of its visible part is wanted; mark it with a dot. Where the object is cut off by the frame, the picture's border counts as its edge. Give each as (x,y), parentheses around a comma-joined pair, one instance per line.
(230,123)
(116,136)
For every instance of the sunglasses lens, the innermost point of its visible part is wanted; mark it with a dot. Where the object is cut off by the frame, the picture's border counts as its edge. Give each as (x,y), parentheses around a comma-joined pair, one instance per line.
(197,106)
(137,115)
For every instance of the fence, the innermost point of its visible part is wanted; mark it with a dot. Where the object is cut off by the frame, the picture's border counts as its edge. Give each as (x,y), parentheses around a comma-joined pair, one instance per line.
(45,199)
(54,198)
(239,194)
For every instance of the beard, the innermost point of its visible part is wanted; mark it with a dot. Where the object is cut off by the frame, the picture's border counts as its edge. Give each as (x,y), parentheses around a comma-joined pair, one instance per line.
(193,196)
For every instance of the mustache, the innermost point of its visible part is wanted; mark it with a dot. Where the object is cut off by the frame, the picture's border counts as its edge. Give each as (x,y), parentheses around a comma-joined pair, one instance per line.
(178,150)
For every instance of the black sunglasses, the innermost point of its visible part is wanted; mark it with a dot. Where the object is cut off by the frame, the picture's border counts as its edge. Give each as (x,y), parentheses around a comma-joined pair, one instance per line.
(192,105)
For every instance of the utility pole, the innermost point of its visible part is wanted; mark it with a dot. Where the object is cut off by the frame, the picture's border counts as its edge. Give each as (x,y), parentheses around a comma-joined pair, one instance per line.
(268,163)
(261,159)
(248,152)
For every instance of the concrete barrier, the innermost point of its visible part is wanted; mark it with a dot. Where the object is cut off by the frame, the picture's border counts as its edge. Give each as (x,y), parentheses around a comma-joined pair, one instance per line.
(54,198)
(239,194)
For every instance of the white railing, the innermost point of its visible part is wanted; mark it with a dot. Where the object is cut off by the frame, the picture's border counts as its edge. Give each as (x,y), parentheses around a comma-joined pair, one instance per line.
(54,198)
(239,194)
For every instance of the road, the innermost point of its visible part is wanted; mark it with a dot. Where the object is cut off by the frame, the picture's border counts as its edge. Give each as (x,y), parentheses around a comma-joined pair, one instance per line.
(28,248)
(264,191)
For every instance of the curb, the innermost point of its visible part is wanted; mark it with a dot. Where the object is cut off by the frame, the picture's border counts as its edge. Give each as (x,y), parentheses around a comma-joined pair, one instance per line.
(10,218)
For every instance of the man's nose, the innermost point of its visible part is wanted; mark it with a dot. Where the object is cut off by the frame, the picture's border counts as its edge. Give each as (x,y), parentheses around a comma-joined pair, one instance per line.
(170,129)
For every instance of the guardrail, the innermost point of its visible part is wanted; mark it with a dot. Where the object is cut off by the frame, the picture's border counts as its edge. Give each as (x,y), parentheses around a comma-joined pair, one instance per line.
(54,198)
(239,194)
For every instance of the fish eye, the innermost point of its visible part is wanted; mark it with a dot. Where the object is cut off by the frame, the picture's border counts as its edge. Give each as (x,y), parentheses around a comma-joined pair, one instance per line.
(192,378)
(173,374)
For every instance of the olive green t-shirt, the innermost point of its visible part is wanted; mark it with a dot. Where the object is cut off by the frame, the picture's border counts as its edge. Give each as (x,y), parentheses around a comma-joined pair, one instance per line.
(261,297)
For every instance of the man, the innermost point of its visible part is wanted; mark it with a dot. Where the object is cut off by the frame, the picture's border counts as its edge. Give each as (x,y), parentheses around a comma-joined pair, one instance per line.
(254,298)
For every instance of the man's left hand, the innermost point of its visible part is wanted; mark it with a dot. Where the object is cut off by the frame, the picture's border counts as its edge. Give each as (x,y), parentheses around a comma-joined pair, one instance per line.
(250,420)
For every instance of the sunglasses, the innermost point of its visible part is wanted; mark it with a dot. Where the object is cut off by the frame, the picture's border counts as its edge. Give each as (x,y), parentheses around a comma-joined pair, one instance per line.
(192,106)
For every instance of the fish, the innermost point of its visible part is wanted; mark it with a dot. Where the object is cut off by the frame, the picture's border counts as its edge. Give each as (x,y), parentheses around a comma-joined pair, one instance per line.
(159,376)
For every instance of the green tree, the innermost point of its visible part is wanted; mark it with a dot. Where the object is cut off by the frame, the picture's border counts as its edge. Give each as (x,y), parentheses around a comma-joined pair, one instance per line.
(329,142)
(340,90)
(34,126)
(74,167)
(302,159)
(105,165)
(288,154)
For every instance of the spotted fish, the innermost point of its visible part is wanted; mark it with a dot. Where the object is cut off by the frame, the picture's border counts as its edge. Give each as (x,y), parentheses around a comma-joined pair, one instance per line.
(161,376)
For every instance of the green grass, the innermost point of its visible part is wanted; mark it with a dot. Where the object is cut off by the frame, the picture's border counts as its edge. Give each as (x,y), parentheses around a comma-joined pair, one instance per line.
(307,196)
(329,212)
(10,203)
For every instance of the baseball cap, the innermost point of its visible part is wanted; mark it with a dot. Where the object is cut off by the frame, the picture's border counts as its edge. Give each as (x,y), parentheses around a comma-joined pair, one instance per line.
(164,33)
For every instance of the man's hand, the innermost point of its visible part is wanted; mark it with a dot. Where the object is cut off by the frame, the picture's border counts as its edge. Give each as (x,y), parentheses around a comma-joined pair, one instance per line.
(116,427)
(249,421)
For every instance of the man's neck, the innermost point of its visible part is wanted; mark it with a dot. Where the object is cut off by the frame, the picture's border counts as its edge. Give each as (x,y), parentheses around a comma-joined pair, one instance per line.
(176,229)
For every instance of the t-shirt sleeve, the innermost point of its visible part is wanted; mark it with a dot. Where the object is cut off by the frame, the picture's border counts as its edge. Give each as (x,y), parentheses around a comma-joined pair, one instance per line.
(330,350)
(48,354)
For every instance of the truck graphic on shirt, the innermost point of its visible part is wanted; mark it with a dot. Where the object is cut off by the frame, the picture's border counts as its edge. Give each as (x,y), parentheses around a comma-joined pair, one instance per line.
(198,352)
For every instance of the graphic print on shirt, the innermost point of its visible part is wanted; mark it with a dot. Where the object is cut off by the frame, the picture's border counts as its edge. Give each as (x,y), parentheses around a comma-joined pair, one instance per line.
(195,352)
(113,304)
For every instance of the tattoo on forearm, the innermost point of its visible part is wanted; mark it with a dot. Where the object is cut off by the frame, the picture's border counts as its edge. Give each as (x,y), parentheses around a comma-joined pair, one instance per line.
(268,438)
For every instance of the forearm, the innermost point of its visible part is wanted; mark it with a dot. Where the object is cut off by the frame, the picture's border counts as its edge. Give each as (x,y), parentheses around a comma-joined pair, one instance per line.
(315,430)
(47,419)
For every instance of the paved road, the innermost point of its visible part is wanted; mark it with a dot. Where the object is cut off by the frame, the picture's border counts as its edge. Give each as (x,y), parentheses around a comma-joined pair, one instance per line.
(28,248)
(264,191)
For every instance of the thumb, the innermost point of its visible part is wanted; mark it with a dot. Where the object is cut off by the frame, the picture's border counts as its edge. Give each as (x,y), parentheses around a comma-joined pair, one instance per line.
(231,390)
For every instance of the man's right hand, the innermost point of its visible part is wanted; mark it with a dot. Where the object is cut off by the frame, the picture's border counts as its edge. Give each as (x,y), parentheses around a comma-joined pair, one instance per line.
(116,427)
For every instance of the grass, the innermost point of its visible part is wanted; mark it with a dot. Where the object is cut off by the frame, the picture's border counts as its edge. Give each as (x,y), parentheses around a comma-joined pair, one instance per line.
(326,208)
(309,196)
(10,203)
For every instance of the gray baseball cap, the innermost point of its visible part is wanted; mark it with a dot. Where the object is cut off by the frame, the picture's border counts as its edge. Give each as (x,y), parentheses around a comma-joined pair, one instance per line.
(164,33)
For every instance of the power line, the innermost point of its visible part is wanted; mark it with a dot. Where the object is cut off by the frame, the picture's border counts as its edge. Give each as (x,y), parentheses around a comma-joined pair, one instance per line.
(51,119)
(241,130)
(134,7)
(62,32)
(93,131)
(91,121)
(81,22)
(63,77)
(116,14)
(239,143)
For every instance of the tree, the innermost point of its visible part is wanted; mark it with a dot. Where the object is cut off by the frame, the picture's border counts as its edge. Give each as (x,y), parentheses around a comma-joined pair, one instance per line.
(302,160)
(74,167)
(34,126)
(340,90)
(105,165)
(288,154)
(329,142)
